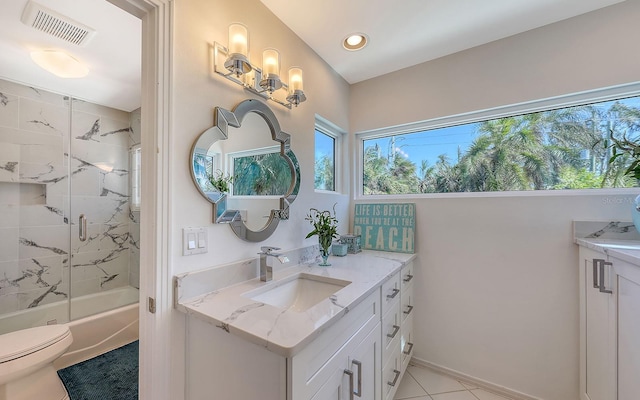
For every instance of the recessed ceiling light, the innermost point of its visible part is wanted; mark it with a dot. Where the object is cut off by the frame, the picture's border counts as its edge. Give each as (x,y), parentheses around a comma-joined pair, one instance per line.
(355,41)
(59,63)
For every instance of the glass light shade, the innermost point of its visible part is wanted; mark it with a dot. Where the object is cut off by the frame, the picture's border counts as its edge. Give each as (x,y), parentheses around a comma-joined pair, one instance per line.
(59,63)
(295,79)
(270,63)
(238,39)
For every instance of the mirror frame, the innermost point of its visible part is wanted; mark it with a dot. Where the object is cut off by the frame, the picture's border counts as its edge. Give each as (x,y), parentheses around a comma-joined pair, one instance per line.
(222,120)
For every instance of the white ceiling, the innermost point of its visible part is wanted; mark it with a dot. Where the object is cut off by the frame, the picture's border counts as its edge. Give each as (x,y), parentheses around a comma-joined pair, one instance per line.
(402,33)
(113,55)
(408,32)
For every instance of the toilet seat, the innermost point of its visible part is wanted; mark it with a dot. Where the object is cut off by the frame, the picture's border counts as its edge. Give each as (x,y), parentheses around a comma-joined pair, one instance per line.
(22,343)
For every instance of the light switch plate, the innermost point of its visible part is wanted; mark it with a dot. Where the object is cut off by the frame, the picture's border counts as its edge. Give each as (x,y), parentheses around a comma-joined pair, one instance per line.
(194,241)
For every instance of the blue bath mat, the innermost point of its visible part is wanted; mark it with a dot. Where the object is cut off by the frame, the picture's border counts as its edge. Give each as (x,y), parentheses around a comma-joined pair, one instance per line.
(110,376)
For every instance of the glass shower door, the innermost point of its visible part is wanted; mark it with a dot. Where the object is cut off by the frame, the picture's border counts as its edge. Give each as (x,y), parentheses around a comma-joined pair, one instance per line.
(105,225)
(34,188)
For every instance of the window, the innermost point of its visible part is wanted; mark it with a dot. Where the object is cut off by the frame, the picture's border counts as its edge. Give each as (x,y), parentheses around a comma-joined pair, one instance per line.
(565,148)
(325,161)
(135,162)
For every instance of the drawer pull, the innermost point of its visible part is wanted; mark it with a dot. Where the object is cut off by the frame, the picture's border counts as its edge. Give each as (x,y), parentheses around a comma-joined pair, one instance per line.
(359,364)
(394,294)
(395,379)
(408,278)
(350,374)
(409,348)
(393,334)
(409,309)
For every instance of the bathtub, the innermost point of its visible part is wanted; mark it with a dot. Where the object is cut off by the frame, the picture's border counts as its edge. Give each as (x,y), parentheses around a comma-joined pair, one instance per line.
(96,327)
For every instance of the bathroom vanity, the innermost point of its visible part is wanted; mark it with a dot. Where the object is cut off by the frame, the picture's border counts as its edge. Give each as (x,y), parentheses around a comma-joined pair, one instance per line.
(339,332)
(609,326)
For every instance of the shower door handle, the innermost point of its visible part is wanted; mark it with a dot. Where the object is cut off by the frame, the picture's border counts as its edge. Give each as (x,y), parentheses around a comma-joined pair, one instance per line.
(82,232)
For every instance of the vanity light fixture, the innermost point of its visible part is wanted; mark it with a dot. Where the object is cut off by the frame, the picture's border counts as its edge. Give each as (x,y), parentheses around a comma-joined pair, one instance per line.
(270,71)
(237,61)
(59,63)
(265,81)
(355,41)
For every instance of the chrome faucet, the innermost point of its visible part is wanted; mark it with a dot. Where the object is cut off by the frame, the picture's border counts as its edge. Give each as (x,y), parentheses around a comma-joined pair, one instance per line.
(266,271)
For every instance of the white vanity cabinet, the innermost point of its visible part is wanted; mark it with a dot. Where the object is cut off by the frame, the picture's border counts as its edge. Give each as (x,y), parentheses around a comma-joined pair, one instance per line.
(406,307)
(628,354)
(224,366)
(598,293)
(362,355)
(343,347)
(397,329)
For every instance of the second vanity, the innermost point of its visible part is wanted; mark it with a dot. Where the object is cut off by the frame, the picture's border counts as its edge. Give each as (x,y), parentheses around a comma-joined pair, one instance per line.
(339,332)
(609,273)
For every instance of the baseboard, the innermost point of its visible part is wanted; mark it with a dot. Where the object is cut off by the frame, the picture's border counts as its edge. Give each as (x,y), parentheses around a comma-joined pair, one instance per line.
(491,387)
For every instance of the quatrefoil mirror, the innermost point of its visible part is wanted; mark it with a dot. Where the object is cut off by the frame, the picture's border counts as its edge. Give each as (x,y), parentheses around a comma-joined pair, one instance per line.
(245,167)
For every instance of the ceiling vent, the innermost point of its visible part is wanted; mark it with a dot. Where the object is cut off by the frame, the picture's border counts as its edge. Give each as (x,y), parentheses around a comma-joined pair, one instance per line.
(56,24)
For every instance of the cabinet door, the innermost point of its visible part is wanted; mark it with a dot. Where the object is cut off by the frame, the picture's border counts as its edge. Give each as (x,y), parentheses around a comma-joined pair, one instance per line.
(361,377)
(365,363)
(333,387)
(598,328)
(628,339)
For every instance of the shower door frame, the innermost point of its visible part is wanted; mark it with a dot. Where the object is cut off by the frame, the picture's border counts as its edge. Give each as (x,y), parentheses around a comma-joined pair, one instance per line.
(156,382)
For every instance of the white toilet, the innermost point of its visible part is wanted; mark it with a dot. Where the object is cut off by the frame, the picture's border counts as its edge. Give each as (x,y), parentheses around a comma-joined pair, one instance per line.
(26,363)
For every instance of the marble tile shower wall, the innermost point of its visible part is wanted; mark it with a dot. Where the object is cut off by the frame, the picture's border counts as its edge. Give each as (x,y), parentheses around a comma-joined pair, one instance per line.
(38,219)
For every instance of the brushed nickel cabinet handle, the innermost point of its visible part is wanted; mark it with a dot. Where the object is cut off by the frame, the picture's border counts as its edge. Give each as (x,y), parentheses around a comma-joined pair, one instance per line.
(596,263)
(410,347)
(350,374)
(409,309)
(395,379)
(408,278)
(394,294)
(602,288)
(359,364)
(393,334)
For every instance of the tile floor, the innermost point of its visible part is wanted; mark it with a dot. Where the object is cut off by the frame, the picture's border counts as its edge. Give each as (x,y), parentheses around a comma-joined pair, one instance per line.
(424,384)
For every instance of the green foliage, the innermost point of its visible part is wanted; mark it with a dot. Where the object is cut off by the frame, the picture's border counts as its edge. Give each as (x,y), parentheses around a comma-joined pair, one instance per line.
(573,178)
(578,147)
(324,170)
(325,225)
(625,148)
(220,181)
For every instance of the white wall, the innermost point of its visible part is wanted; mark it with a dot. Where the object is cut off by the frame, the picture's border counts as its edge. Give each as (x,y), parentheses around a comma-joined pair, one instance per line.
(197,23)
(497,276)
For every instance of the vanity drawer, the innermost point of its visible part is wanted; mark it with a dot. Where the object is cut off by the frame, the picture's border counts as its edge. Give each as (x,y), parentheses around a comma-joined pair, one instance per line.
(315,363)
(407,301)
(391,326)
(390,293)
(406,341)
(406,275)
(392,374)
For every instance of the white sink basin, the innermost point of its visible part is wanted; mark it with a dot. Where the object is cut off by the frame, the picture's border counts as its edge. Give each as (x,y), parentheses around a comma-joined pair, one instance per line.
(298,292)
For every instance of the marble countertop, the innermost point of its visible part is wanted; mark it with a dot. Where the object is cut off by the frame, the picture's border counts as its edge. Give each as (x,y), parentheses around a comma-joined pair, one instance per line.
(286,332)
(625,250)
